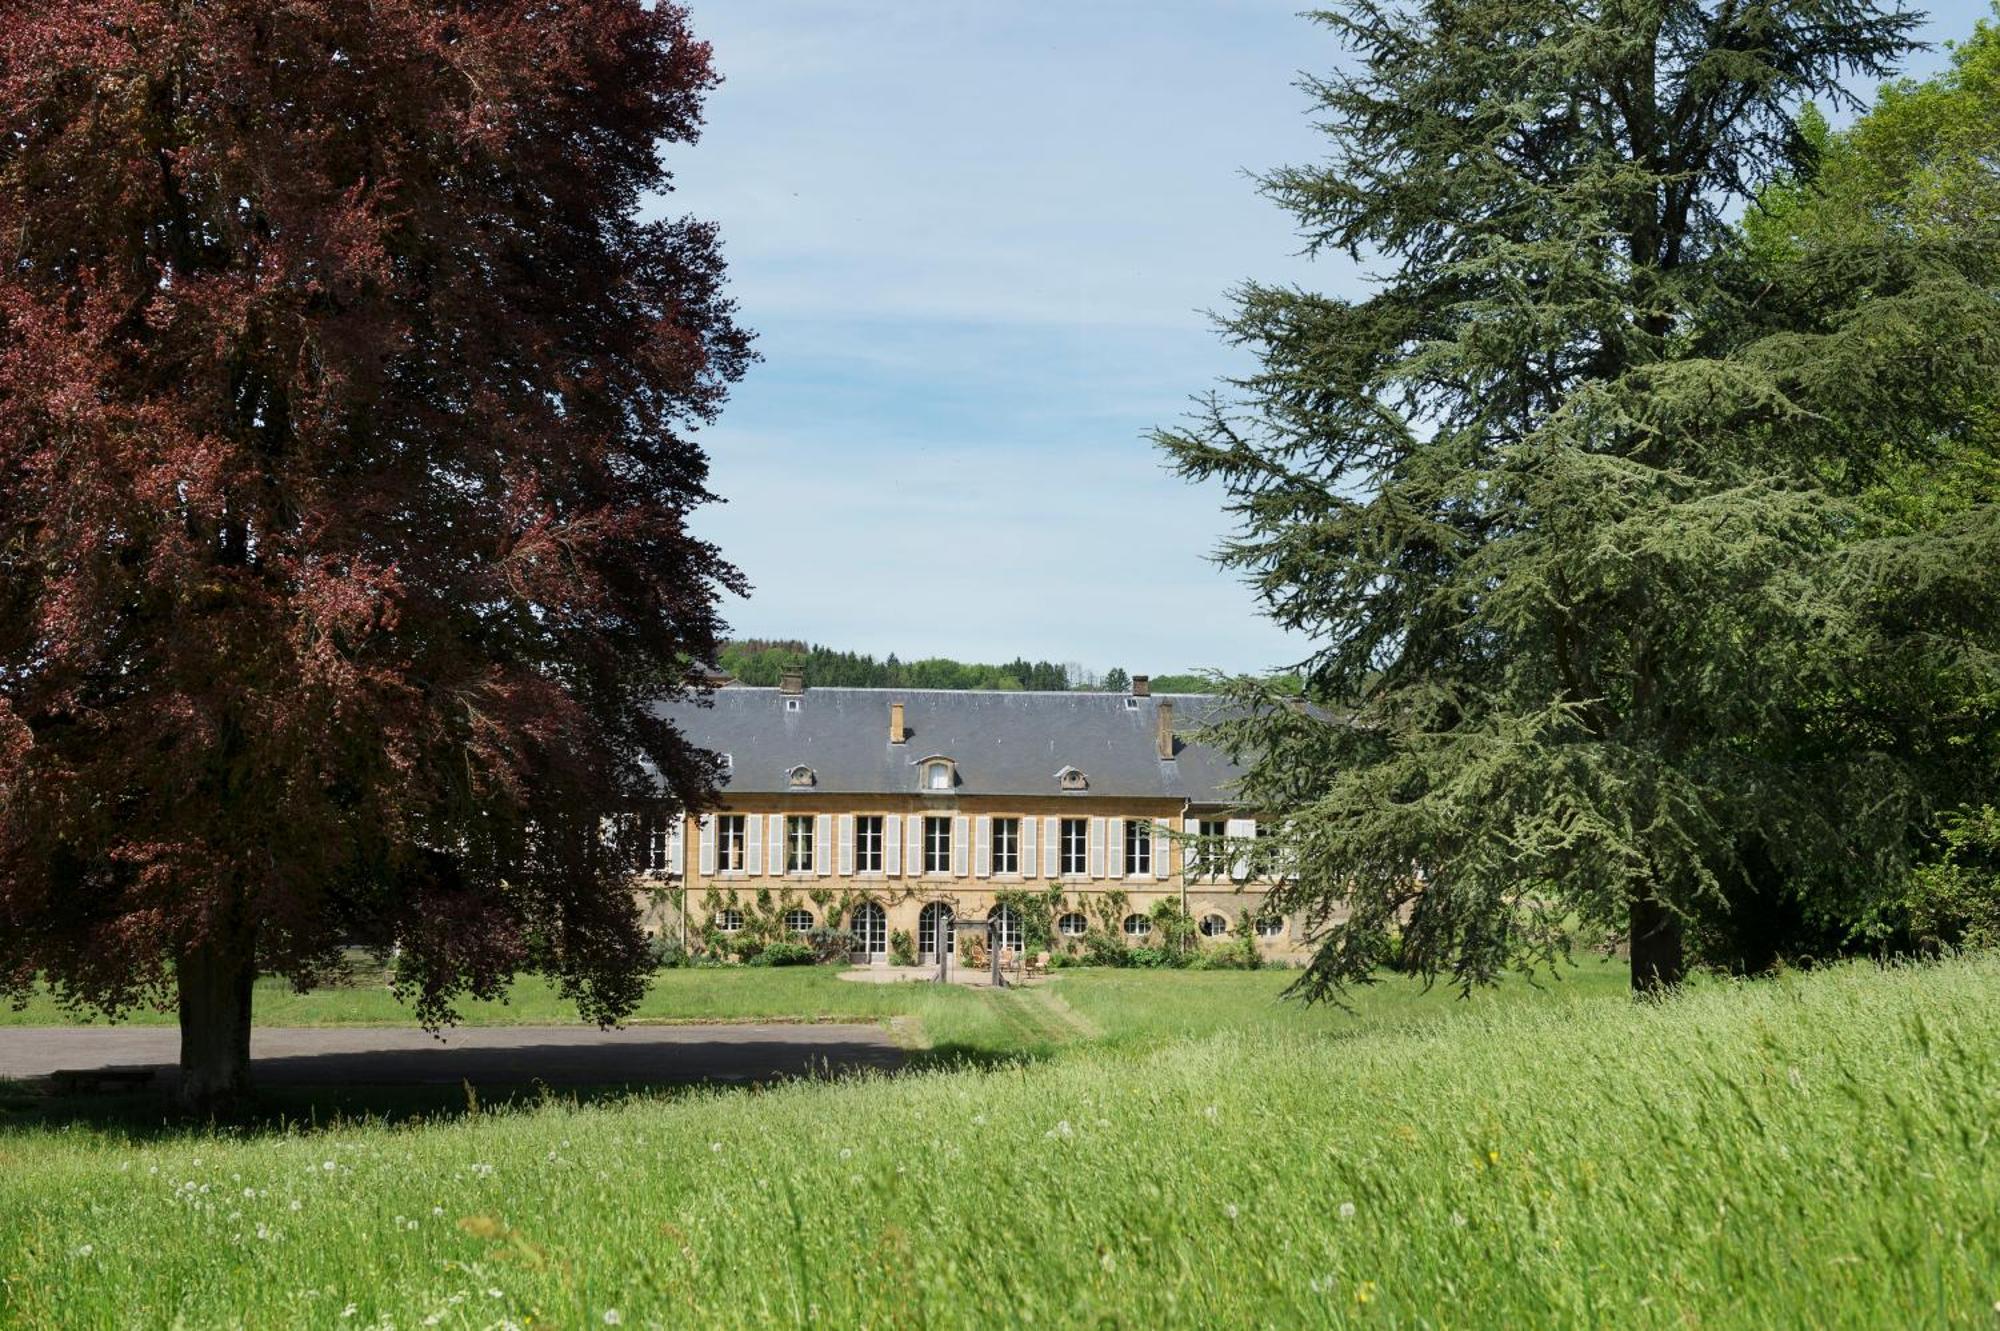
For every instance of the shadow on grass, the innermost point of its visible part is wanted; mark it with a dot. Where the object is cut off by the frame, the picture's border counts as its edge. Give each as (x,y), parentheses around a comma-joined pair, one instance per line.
(150,1115)
(301,1090)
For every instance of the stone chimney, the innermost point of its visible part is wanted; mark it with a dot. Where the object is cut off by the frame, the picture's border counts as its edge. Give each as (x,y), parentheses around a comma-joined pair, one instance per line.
(897,734)
(1164,714)
(1142,686)
(792,680)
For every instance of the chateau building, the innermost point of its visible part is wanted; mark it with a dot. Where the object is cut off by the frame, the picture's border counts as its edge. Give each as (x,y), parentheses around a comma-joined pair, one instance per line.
(889,810)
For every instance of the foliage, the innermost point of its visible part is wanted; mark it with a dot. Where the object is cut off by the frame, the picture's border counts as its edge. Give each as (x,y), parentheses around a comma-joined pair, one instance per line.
(1576,506)
(1954,900)
(832,946)
(761,663)
(902,948)
(1387,1165)
(348,434)
(785,953)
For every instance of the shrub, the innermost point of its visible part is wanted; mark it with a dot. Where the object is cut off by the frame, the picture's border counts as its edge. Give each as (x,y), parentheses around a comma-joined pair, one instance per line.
(902,948)
(785,953)
(1101,947)
(829,945)
(1954,901)
(668,952)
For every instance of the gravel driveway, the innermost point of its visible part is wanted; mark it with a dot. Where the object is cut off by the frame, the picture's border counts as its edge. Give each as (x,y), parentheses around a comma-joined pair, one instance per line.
(489,1055)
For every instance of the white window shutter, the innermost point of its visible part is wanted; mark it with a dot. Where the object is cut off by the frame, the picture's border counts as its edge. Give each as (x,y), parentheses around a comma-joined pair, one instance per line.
(1027,848)
(1097,848)
(892,845)
(1114,849)
(847,845)
(982,848)
(960,835)
(1163,850)
(823,845)
(1051,848)
(753,844)
(1241,830)
(704,850)
(676,848)
(917,865)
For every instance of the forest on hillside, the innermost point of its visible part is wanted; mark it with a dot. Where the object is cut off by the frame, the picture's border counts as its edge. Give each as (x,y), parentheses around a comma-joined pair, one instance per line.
(759,661)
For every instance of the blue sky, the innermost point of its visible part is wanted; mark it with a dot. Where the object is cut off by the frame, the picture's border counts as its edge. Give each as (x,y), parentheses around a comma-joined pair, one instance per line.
(978,242)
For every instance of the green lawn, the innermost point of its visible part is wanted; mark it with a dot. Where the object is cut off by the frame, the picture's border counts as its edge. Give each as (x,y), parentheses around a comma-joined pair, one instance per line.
(1811,1152)
(1075,1006)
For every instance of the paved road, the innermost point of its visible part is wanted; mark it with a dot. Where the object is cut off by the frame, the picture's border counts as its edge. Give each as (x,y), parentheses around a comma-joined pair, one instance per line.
(484,1056)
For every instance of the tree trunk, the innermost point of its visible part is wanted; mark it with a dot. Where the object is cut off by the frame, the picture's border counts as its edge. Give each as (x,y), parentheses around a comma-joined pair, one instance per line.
(214,982)
(1656,947)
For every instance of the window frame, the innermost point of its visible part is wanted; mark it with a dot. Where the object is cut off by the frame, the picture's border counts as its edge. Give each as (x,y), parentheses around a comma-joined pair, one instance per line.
(728,920)
(1214,863)
(869,830)
(1144,922)
(1063,924)
(799,847)
(792,924)
(732,843)
(937,845)
(1269,926)
(1007,834)
(1080,866)
(1138,847)
(1207,932)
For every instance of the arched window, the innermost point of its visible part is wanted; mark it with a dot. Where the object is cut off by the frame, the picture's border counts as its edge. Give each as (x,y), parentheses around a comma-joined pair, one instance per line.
(1214,926)
(1271,926)
(1072,925)
(1137,926)
(935,925)
(729,919)
(1072,779)
(871,929)
(802,777)
(937,775)
(1005,925)
(799,920)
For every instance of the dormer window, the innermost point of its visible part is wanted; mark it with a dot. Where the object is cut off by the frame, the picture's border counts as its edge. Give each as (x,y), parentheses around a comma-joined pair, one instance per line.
(725,764)
(937,775)
(1072,779)
(802,777)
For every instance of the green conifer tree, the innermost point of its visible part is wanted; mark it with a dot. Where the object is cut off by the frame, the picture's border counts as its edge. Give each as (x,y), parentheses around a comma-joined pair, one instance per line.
(1571,504)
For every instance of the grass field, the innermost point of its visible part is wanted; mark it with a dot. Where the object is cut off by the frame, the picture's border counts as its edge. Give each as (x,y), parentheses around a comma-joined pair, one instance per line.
(1095,1006)
(1811,1152)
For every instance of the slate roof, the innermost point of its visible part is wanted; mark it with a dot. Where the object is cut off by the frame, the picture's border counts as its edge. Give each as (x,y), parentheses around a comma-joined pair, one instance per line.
(1001,743)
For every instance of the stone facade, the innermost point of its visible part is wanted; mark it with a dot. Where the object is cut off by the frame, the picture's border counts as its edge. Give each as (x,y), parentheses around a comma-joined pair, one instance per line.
(833,842)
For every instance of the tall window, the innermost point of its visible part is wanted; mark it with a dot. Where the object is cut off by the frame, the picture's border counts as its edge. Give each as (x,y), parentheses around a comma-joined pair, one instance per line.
(1006,845)
(868,843)
(729,842)
(1074,860)
(798,843)
(1138,846)
(937,844)
(655,855)
(1211,860)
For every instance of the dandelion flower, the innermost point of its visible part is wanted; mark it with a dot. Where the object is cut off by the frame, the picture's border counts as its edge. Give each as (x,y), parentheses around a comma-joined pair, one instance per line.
(86,1249)
(1230,1210)
(1347,1210)
(612,1317)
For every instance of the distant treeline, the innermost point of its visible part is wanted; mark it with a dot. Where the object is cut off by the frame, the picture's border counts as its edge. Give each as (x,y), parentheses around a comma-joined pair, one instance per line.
(759,661)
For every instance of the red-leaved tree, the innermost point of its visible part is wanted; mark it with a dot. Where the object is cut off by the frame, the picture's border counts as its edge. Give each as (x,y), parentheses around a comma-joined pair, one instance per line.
(345,464)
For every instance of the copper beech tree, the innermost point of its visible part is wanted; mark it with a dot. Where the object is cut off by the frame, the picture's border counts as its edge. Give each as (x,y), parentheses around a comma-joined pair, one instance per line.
(347,408)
